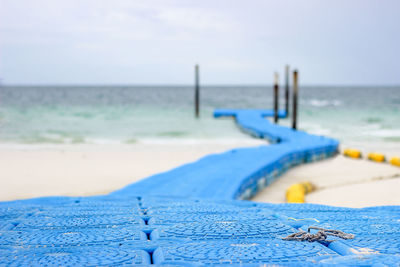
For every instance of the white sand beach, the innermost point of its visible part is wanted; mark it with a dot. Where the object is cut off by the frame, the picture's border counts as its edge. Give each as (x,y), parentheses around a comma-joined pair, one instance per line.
(340,181)
(80,170)
(28,171)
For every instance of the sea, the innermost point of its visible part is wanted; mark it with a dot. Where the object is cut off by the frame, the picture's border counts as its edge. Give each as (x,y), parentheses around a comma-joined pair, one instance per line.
(356,115)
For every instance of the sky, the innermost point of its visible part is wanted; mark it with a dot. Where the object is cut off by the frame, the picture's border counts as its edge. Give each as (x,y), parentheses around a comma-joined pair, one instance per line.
(338,42)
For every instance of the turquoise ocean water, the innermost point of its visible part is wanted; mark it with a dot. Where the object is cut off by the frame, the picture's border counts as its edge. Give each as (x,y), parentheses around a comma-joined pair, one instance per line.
(130,114)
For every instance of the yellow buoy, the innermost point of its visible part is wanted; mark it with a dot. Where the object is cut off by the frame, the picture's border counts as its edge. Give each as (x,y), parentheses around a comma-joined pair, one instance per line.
(395,161)
(296,192)
(352,153)
(376,157)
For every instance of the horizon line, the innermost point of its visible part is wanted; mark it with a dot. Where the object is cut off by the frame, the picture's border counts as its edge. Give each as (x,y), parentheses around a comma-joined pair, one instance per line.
(185,85)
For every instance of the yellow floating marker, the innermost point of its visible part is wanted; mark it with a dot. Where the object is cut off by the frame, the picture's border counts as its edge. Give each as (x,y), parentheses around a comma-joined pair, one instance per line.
(296,193)
(352,153)
(395,161)
(376,157)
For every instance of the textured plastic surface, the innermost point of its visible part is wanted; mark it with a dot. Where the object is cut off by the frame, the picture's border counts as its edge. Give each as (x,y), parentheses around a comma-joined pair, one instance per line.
(241,251)
(238,232)
(77,256)
(188,216)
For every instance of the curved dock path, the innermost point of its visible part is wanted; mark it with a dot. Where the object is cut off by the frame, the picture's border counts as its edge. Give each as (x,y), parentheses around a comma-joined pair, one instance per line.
(192,215)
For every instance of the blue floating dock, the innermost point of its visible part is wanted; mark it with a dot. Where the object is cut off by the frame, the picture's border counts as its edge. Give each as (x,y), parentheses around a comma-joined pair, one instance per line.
(196,214)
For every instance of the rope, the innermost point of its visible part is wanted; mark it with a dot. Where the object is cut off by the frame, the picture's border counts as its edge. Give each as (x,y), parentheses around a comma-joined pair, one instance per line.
(321,235)
(294,219)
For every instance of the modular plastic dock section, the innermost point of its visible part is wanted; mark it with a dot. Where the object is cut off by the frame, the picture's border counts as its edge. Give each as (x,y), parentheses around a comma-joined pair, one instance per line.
(189,216)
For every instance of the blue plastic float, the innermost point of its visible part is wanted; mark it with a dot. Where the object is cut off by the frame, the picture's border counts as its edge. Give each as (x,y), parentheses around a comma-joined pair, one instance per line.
(191,215)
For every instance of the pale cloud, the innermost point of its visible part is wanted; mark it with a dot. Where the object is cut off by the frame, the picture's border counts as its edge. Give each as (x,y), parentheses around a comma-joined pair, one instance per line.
(237,41)
(133,20)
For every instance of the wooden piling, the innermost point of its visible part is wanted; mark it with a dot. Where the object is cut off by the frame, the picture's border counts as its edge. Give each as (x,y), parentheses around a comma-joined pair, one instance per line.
(295,95)
(196,92)
(287,90)
(276,97)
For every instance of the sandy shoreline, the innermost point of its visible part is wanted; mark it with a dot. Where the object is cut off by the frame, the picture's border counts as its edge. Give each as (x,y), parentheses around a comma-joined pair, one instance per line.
(340,181)
(79,170)
(28,171)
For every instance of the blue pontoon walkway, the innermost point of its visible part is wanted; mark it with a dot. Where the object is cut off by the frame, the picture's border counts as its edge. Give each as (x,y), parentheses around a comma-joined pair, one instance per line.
(191,215)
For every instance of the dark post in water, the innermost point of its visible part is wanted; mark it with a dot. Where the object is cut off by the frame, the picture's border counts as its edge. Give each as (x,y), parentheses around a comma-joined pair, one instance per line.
(276,98)
(197,91)
(295,92)
(287,90)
